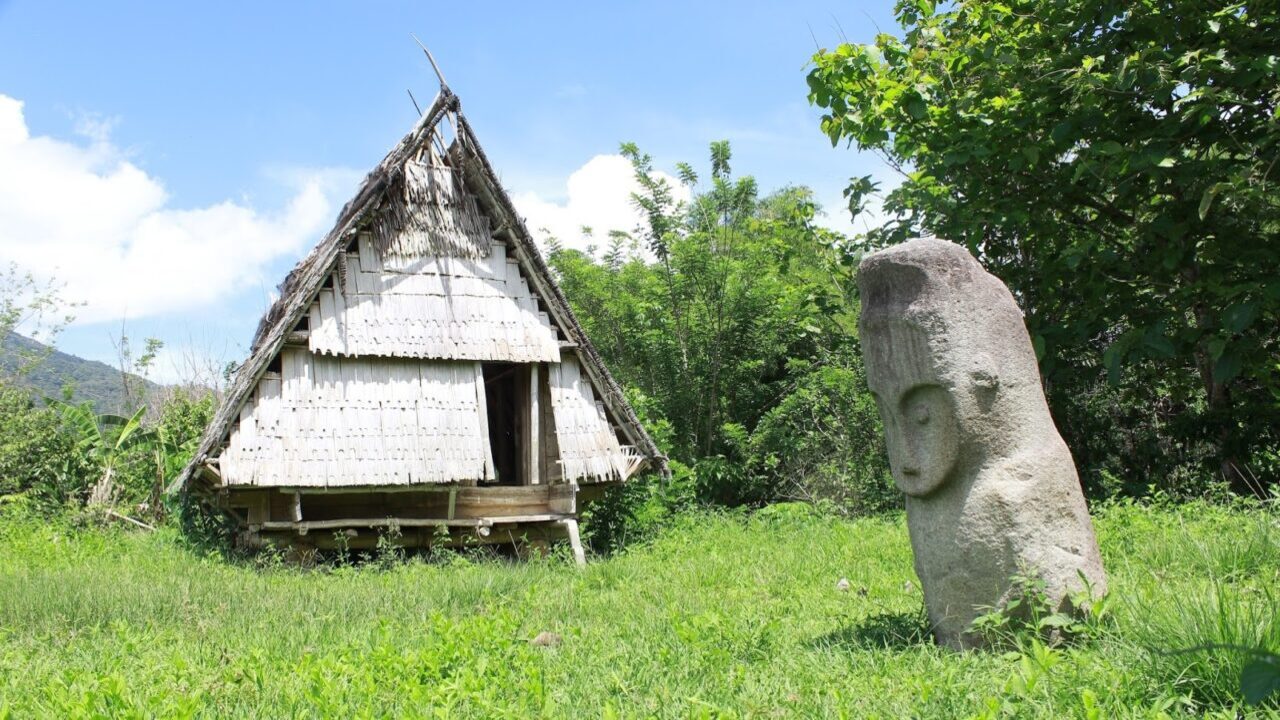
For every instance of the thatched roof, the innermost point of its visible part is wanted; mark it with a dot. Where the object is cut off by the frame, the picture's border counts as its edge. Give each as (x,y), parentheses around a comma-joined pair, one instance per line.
(393,197)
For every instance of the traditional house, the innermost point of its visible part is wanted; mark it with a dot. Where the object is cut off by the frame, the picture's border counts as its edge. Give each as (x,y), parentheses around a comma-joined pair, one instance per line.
(420,371)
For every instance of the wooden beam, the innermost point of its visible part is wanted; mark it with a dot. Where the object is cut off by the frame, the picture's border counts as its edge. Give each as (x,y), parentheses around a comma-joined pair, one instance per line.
(453,502)
(367,489)
(208,472)
(562,498)
(538,517)
(485,523)
(482,409)
(138,523)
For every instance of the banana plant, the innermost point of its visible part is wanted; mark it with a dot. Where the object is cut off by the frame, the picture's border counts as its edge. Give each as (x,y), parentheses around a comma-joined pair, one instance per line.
(103,439)
(171,451)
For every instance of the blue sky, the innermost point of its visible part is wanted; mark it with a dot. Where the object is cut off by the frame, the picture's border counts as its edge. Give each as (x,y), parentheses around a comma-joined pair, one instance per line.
(180,136)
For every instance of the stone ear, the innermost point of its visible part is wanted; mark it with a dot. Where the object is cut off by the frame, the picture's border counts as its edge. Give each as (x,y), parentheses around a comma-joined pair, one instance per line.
(985,385)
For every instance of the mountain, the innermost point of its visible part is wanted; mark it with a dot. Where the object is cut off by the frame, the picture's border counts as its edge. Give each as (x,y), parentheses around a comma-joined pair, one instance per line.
(88,379)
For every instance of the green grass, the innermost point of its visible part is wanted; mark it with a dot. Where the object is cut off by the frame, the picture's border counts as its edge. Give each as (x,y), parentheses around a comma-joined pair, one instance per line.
(721,616)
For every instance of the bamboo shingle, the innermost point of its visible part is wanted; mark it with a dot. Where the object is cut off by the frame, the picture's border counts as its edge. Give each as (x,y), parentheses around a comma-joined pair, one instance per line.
(434,307)
(589,447)
(358,421)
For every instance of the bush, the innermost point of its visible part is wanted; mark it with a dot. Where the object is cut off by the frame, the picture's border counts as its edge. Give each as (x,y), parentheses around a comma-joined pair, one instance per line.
(36,456)
(824,443)
(55,454)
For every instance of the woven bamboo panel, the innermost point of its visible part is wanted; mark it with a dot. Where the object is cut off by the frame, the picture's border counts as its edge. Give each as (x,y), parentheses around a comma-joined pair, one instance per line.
(437,307)
(332,422)
(589,448)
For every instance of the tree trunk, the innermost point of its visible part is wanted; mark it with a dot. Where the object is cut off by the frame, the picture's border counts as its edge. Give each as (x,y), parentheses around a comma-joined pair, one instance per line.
(1218,401)
(104,491)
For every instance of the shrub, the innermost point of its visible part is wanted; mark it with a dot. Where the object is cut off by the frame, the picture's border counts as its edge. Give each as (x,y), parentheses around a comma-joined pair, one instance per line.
(824,443)
(36,456)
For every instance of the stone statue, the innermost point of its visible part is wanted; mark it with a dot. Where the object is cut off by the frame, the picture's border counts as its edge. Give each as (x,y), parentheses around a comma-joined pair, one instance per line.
(992,491)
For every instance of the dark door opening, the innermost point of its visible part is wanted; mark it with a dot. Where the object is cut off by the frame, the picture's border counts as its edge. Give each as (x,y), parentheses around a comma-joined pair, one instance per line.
(505,385)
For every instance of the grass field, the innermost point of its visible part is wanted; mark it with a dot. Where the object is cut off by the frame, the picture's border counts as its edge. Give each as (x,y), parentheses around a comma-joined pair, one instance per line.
(720,616)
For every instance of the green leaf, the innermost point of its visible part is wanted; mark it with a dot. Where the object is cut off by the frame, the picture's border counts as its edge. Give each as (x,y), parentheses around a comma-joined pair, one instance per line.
(1260,679)
(1239,316)
(1216,346)
(1037,343)
(1061,132)
(1206,200)
(1226,368)
(1160,345)
(1167,162)
(1057,620)
(132,425)
(1111,359)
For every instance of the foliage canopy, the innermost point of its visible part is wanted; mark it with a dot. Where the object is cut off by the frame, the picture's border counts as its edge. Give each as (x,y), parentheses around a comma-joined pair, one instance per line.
(1115,164)
(733,318)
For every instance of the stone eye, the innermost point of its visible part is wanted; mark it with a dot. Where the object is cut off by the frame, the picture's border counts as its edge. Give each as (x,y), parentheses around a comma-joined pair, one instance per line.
(922,415)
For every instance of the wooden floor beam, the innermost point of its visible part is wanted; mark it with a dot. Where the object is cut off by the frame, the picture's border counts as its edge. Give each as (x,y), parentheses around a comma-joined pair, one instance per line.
(487,522)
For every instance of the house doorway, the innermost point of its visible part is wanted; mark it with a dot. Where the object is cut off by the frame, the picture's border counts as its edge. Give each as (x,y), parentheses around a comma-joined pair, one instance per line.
(506,385)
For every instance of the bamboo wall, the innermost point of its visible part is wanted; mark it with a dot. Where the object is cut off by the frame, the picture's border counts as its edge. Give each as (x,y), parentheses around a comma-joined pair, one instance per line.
(325,421)
(439,307)
(589,448)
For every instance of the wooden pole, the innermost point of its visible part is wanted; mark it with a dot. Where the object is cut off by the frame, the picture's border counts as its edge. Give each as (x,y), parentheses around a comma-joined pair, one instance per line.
(431,60)
(131,521)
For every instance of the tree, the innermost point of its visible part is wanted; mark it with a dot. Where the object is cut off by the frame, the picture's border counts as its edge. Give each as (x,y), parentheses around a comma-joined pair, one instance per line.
(738,328)
(105,440)
(35,307)
(1115,164)
(736,291)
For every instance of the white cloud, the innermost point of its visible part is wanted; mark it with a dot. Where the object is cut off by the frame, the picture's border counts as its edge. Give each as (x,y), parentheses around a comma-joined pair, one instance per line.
(103,227)
(598,196)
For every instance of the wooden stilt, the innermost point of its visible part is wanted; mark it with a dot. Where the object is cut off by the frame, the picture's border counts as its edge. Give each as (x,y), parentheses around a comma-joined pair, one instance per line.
(575,541)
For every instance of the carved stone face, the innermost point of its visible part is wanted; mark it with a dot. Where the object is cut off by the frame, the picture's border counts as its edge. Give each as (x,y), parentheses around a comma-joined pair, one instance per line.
(921,432)
(991,486)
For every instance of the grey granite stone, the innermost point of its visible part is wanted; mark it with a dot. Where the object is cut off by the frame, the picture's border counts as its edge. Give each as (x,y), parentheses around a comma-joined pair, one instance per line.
(992,491)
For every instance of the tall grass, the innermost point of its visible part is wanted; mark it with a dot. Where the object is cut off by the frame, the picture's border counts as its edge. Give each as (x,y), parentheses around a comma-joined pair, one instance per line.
(1209,598)
(722,615)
